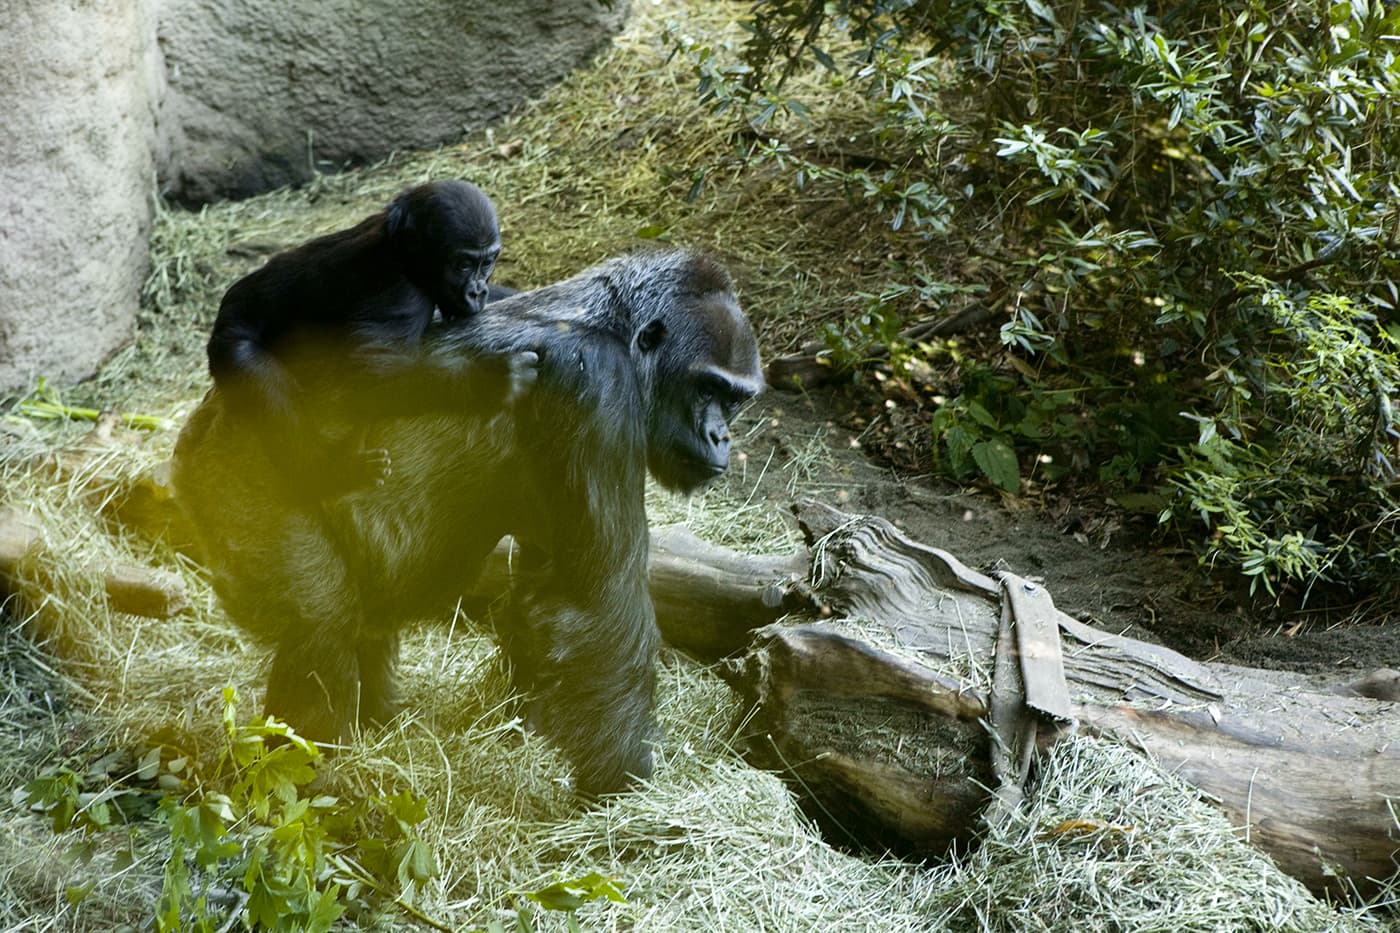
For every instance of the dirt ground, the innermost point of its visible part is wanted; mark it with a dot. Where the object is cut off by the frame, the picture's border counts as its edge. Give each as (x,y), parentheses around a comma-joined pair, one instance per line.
(1103,566)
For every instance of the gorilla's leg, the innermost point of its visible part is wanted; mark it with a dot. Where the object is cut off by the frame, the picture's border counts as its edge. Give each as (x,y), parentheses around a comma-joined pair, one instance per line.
(592,694)
(378,661)
(523,632)
(280,577)
(304,604)
(313,684)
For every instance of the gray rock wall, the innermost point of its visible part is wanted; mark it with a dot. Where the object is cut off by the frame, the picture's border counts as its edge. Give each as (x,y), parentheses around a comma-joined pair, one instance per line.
(222,98)
(78,83)
(259,89)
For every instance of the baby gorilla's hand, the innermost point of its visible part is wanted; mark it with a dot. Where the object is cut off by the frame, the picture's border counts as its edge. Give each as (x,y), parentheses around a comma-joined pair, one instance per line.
(348,467)
(524,370)
(373,466)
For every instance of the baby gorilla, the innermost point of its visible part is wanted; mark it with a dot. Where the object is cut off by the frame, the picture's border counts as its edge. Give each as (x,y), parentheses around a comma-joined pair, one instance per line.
(364,295)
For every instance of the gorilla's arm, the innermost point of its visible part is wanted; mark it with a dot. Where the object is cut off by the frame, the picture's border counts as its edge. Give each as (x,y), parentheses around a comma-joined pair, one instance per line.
(591,628)
(385,383)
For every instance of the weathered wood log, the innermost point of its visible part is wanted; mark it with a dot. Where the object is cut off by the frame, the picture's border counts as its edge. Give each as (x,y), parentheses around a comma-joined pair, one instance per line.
(142,591)
(880,711)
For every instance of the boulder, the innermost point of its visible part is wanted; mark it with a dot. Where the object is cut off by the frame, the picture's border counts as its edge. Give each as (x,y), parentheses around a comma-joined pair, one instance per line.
(78,83)
(264,93)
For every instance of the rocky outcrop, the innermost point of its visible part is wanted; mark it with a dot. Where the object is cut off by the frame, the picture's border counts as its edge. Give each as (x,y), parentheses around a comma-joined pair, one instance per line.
(222,98)
(262,93)
(78,85)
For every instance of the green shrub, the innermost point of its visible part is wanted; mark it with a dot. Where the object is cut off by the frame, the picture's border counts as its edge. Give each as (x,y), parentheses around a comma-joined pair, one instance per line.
(1196,210)
(253,832)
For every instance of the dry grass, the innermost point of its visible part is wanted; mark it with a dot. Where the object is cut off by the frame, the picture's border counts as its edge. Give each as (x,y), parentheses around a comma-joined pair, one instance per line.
(711,844)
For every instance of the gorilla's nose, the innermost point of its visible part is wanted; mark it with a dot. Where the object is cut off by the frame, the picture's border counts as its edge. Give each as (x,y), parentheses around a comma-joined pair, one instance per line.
(475,297)
(719,448)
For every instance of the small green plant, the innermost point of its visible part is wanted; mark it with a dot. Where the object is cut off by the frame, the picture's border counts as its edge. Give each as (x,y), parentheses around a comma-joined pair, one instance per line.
(45,404)
(251,832)
(297,859)
(104,794)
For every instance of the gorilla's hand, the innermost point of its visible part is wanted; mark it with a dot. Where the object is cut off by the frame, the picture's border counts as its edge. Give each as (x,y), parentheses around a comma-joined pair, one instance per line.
(374,466)
(524,370)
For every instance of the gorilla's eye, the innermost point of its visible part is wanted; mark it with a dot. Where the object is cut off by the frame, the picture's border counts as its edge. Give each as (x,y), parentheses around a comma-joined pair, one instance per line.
(474,262)
(713,386)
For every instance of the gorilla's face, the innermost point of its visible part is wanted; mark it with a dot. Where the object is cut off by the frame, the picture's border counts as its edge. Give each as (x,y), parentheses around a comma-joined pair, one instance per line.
(704,366)
(448,234)
(465,275)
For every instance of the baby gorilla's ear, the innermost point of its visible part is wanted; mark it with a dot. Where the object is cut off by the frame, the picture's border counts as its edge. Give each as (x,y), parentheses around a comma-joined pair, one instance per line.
(400,217)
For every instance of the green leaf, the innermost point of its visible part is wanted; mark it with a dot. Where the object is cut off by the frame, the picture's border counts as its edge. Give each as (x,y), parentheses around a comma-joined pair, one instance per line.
(375,856)
(325,910)
(570,895)
(122,861)
(979,413)
(558,896)
(230,714)
(959,442)
(149,766)
(417,865)
(264,907)
(651,232)
(997,461)
(407,808)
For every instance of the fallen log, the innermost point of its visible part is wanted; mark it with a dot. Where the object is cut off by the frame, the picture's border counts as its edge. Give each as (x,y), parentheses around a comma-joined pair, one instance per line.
(131,588)
(879,706)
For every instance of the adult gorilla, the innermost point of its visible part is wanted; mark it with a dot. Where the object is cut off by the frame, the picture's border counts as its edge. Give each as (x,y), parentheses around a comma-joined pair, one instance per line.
(643,361)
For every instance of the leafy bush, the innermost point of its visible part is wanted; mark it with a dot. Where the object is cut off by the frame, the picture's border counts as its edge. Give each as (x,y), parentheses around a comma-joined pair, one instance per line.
(1196,207)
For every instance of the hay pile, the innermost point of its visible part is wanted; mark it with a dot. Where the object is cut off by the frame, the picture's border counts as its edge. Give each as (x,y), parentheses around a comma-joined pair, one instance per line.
(712,844)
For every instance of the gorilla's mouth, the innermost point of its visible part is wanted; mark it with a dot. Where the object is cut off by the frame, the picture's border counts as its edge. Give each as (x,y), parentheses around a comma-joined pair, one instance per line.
(687,474)
(461,306)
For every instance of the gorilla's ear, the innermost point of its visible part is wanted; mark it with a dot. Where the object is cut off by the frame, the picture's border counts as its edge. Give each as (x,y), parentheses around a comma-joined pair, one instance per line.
(650,337)
(707,275)
(400,217)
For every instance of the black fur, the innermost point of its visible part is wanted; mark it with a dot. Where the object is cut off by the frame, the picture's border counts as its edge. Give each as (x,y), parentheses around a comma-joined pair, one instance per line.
(642,360)
(366,294)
